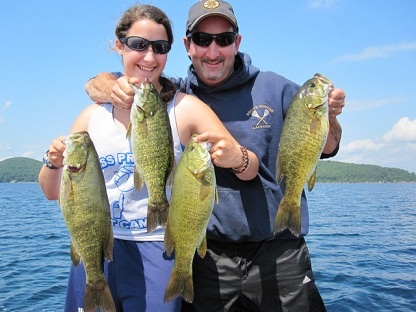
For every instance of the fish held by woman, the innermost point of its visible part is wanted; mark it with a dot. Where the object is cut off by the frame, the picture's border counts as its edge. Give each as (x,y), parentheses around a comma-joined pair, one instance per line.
(152,147)
(85,208)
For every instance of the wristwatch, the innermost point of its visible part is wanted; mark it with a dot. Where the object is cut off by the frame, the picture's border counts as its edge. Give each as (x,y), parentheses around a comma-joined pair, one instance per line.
(46,161)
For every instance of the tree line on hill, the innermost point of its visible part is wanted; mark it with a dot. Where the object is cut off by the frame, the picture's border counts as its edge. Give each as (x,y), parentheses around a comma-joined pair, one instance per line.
(22,169)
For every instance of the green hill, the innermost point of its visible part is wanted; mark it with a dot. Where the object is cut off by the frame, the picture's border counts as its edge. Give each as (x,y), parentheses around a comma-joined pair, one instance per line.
(335,171)
(21,169)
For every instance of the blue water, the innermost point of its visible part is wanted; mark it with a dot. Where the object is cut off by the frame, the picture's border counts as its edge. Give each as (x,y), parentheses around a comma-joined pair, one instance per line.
(362,242)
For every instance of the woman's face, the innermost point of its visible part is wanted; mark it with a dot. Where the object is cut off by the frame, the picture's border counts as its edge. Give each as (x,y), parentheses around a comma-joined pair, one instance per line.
(147,63)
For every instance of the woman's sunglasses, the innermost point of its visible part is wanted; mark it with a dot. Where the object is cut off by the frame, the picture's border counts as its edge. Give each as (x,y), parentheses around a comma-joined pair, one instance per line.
(140,44)
(204,40)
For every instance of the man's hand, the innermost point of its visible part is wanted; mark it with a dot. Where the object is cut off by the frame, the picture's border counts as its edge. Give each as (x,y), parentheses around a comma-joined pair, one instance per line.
(106,88)
(336,102)
(122,94)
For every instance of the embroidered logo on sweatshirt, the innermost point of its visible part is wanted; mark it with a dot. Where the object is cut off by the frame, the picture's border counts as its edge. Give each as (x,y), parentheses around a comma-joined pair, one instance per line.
(261,113)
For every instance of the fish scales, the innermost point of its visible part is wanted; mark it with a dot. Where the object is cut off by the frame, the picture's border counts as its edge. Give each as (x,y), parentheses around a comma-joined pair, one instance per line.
(152,147)
(85,208)
(303,138)
(192,200)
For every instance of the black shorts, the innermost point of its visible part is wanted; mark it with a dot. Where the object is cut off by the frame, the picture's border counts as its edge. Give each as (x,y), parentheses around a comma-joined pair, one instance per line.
(264,276)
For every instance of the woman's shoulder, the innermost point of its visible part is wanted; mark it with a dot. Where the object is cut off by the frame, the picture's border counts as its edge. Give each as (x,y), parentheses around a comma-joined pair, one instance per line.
(187,99)
(81,122)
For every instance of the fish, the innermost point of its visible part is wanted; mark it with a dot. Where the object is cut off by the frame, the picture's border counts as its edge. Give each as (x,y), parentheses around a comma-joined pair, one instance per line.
(86,211)
(304,134)
(194,193)
(152,147)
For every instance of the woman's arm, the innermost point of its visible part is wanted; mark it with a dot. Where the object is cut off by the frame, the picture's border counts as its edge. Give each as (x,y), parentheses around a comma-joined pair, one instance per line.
(195,117)
(50,179)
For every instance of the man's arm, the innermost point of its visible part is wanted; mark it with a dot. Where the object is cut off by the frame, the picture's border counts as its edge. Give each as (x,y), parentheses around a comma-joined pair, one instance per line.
(99,88)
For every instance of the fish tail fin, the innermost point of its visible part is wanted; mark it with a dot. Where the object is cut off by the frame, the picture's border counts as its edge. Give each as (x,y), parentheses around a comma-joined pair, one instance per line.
(180,285)
(288,216)
(98,297)
(157,214)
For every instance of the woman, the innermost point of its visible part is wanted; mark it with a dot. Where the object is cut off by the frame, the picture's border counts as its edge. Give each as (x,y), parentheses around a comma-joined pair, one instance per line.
(140,270)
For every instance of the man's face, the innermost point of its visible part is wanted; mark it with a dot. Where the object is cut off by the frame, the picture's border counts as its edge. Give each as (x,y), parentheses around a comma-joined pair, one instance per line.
(213,64)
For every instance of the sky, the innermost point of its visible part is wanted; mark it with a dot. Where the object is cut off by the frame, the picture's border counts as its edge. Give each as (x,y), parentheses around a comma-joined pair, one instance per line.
(49,50)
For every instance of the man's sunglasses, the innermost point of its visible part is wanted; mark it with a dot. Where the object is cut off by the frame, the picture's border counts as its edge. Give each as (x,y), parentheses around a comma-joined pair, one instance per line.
(140,44)
(204,40)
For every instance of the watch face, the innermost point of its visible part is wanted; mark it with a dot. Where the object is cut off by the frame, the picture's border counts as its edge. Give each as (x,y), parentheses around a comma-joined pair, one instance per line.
(47,163)
(45,159)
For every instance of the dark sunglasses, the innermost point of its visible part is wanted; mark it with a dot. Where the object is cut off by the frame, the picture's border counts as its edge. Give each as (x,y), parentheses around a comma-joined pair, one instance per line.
(140,44)
(204,40)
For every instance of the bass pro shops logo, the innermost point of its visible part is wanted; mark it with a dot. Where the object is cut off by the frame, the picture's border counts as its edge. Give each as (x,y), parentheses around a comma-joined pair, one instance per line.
(262,113)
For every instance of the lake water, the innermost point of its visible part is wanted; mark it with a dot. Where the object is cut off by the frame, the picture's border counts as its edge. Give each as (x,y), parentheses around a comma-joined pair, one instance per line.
(362,242)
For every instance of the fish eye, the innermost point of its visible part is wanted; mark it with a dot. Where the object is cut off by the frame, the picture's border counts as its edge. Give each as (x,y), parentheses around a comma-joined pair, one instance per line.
(312,85)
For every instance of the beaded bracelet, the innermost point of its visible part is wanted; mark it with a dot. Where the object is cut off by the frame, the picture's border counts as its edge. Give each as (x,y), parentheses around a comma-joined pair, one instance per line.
(246,162)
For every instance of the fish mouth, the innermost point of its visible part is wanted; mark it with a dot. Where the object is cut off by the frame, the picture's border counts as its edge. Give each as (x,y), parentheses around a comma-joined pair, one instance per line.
(328,83)
(75,169)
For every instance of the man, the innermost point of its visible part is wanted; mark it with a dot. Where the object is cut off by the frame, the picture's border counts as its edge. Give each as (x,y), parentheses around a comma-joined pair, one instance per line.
(247,267)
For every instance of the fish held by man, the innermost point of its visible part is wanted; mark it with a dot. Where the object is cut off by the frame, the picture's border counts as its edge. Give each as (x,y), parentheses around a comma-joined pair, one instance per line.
(193,196)
(152,147)
(303,138)
(85,208)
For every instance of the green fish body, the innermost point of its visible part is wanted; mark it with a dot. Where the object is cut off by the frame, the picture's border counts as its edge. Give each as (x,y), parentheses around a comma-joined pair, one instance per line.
(193,196)
(303,138)
(152,147)
(85,208)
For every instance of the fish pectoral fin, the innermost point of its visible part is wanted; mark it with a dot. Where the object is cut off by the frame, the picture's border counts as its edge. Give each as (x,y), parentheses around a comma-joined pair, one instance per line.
(138,180)
(279,174)
(75,257)
(202,249)
(144,128)
(108,249)
(204,191)
(216,195)
(169,182)
(312,181)
(315,126)
(66,186)
(169,245)
(128,133)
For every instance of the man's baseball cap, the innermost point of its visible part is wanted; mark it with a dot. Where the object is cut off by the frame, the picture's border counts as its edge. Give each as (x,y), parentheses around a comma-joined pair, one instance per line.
(205,8)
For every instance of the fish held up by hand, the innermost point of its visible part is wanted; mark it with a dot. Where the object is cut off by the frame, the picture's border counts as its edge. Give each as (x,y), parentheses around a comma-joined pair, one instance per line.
(85,208)
(152,146)
(193,196)
(304,134)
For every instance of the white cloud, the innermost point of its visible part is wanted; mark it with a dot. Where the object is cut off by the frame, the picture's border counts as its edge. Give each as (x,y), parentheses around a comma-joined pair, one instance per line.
(362,105)
(6,147)
(7,105)
(403,131)
(320,4)
(376,52)
(362,145)
(396,148)
(28,154)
